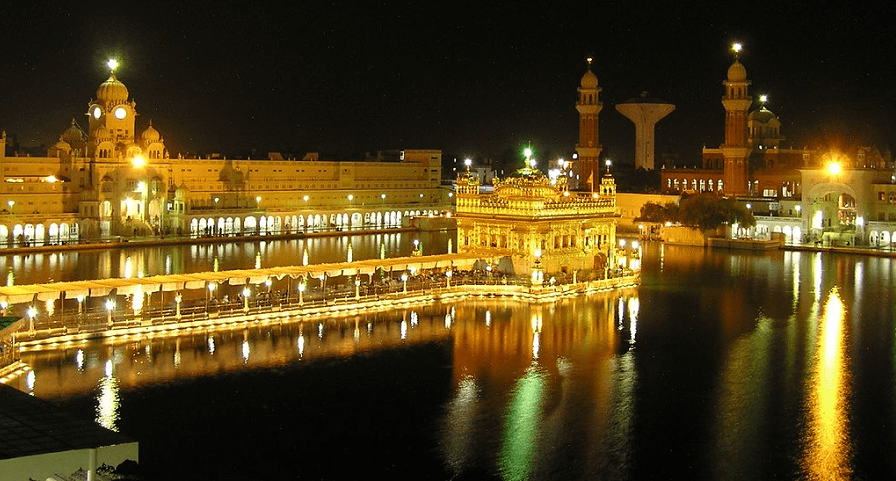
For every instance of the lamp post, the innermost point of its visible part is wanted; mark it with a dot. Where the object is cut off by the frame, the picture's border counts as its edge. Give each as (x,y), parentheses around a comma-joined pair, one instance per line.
(301,292)
(357,288)
(448,275)
(177,300)
(32,313)
(110,306)
(211,289)
(404,280)
(246,293)
(11,204)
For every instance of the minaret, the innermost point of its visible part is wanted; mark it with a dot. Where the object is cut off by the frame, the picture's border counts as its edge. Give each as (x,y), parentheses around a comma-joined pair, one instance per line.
(587,165)
(735,149)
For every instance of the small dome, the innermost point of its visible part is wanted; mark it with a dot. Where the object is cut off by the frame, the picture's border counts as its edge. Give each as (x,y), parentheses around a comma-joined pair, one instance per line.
(151,134)
(74,133)
(737,72)
(112,91)
(62,145)
(763,115)
(101,133)
(589,80)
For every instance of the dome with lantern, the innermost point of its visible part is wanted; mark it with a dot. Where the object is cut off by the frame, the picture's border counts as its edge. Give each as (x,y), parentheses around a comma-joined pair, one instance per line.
(737,72)
(112,90)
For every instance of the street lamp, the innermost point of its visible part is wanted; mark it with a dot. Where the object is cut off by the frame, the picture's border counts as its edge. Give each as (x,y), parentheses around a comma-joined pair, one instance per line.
(110,306)
(258,202)
(357,287)
(11,204)
(177,301)
(448,275)
(211,289)
(301,292)
(32,313)
(246,293)
(404,280)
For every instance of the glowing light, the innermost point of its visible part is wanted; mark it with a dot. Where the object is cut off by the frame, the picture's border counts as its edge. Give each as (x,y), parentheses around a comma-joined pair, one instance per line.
(763,98)
(107,400)
(828,450)
(112,64)
(138,162)
(245,351)
(351,197)
(737,47)
(468,162)
(527,152)
(834,168)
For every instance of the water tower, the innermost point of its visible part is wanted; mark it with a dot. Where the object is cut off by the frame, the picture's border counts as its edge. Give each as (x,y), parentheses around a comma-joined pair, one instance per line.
(645,113)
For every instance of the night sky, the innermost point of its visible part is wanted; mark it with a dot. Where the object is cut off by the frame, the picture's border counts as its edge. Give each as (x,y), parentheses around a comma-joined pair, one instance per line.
(471,79)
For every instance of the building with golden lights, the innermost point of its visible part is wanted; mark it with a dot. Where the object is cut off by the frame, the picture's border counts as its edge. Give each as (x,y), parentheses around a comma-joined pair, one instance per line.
(792,191)
(118,179)
(537,222)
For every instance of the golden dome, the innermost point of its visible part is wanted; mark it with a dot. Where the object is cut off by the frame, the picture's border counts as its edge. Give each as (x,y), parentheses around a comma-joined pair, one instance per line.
(101,133)
(737,72)
(151,134)
(589,80)
(62,145)
(74,133)
(112,91)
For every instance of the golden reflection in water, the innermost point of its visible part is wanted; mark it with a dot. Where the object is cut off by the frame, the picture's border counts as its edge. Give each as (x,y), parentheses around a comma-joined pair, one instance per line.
(827,445)
(107,399)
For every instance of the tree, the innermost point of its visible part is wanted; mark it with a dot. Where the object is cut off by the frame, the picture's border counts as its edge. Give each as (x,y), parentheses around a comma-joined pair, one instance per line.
(708,212)
(655,212)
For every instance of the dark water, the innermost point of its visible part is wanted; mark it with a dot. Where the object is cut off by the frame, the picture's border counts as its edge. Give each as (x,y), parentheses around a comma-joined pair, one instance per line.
(719,366)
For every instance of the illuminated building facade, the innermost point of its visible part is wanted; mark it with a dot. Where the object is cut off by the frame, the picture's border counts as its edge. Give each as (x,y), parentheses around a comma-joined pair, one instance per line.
(792,191)
(115,179)
(535,221)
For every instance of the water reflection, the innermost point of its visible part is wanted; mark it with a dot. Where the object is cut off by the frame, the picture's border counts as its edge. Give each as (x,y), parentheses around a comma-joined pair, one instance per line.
(827,440)
(714,368)
(107,405)
(175,259)
(521,425)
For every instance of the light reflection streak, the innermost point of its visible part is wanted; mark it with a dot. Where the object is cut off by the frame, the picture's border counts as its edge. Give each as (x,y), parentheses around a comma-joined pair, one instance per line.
(404,330)
(488,318)
(459,449)
(634,305)
(524,415)
(828,448)
(79,360)
(320,331)
(30,379)
(108,400)
(245,351)
(301,345)
(817,269)
(211,344)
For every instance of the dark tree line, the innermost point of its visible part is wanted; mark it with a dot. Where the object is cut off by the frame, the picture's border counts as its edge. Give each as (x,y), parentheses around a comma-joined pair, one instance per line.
(706,212)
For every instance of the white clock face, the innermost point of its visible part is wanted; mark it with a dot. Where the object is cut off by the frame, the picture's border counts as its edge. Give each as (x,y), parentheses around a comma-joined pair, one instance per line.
(97,112)
(121,113)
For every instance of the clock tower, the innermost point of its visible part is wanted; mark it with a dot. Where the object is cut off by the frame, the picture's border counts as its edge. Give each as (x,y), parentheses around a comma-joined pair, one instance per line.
(112,115)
